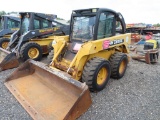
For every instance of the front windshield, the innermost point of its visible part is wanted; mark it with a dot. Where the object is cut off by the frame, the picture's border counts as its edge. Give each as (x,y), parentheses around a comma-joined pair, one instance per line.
(83,28)
(25,24)
(1,23)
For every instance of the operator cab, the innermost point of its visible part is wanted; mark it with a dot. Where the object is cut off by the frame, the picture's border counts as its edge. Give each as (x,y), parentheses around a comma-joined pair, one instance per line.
(96,23)
(8,24)
(11,22)
(92,24)
(35,21)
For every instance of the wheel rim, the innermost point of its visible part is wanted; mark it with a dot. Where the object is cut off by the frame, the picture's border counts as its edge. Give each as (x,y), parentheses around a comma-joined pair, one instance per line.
(122,66)
(33,53)
(4,45)
(102,75)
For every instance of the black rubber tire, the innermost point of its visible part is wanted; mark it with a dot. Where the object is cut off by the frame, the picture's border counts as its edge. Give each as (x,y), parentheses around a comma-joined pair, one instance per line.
(3,40)
(90,73)
(25,48)
(50,56)
(115,61)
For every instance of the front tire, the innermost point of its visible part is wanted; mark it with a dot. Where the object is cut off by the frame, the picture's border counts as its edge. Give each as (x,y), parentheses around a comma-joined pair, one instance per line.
(4,42)
(96,74)
(31,50)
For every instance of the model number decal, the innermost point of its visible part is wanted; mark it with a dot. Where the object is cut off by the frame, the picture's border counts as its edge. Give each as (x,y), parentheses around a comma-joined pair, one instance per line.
(114,42)
(108,43)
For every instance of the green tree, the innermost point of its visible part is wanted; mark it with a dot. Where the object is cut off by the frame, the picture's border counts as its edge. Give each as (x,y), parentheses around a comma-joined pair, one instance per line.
(157,25)
(2,13)
(60,19)
(12,13)
(68,21)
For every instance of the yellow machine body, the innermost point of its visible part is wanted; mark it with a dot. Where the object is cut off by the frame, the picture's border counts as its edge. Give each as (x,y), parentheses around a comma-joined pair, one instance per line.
(87,51)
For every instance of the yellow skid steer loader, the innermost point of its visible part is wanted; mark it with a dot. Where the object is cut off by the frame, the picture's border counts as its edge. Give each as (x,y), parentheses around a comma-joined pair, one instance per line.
(93,52)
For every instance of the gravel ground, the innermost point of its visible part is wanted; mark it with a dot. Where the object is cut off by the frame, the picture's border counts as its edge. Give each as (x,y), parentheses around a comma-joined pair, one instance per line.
(134,97)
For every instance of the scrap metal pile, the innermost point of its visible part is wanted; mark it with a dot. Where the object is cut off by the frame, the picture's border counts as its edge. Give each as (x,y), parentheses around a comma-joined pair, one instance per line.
(146,49)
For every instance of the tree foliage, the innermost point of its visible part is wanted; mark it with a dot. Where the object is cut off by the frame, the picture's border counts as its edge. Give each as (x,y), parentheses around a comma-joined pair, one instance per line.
(2,13)
(157,25)
(60,19)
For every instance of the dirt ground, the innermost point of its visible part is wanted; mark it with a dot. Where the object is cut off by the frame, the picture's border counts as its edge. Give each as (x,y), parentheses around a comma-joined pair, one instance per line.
(134,97)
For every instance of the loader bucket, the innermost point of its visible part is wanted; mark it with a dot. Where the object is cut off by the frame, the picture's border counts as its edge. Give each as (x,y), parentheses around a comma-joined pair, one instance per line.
(48,94)
(8,60)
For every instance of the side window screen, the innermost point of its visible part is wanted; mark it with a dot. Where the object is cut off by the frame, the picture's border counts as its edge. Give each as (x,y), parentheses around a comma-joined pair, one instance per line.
(36,24)
(25,25)
(105,27)
(45,24)
(118,27)
(17,24)
(12,23)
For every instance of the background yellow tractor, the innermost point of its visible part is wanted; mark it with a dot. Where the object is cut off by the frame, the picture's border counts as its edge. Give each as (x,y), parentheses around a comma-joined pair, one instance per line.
(151,44)
(93,51)
(8,25)
(32,40)
(148,52)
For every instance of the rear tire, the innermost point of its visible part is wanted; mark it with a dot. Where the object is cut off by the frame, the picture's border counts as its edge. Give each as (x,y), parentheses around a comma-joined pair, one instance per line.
(31,50)
(4,42)
(50,57)
(96,74)
(119,63)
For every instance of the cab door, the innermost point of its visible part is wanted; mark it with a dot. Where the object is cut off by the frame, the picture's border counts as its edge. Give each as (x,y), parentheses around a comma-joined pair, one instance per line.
(106,25)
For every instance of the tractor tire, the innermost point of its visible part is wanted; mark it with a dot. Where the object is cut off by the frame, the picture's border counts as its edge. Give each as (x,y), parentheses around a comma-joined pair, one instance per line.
(96,74)
(119,63)
(31,50)
(50,56)
(4,42)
